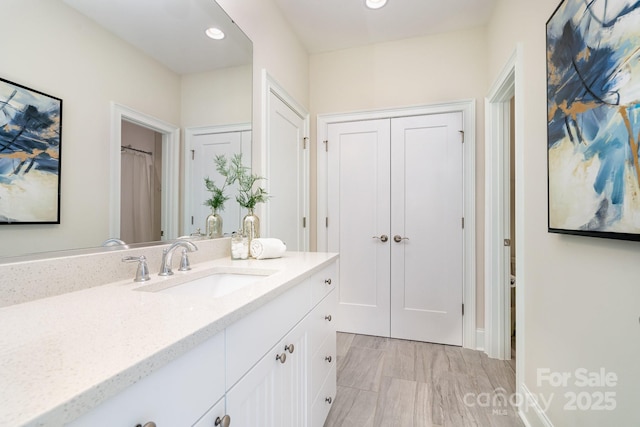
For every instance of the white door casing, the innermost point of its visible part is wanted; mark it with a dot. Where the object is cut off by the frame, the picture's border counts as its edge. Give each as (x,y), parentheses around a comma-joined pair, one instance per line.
(170,168)
(426,213)
(202,144)
(360,188)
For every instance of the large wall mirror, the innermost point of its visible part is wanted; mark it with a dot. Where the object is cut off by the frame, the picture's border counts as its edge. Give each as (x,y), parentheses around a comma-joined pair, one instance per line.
(115,64)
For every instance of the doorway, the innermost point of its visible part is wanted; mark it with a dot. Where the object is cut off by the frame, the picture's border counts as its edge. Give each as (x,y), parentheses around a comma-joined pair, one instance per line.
(285,167)
(327,216)
(202,145)
(504,122)
(396,189)
(169,202)
(141,184)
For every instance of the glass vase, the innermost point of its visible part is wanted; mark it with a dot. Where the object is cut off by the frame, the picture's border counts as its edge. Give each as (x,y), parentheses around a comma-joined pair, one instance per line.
(251,226)
(214,225)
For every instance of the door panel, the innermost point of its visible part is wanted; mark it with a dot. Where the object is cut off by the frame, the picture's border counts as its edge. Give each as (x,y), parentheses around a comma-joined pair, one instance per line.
(206,147)
(286,176)
(427,208)
(398,177)
(359,197)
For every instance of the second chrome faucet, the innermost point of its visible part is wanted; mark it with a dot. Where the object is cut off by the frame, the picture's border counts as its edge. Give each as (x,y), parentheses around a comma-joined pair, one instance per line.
(167,257)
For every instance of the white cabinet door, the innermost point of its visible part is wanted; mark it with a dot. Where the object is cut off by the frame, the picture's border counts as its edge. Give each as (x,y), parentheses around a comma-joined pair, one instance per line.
(274,392)
(359,198)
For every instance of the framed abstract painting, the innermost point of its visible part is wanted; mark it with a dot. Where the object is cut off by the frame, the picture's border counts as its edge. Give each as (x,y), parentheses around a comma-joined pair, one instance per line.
(30,140)
(593,118)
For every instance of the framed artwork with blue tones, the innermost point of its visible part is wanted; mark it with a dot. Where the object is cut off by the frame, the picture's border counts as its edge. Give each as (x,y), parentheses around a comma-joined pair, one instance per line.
(30,138)
(593,118)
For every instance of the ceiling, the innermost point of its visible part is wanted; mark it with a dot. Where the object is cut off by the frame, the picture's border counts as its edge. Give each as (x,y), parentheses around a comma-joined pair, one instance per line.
(326,25)
(172,31)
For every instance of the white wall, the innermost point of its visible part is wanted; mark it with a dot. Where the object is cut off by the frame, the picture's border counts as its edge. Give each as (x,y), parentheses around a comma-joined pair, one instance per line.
(581,294)
(417,71)
(219,97)
(88,68)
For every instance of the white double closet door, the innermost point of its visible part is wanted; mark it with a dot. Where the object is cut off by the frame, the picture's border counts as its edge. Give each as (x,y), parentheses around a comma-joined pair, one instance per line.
(395,208)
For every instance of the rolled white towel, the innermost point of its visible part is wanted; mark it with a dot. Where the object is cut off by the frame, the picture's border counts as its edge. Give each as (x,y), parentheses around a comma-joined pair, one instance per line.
(263,248)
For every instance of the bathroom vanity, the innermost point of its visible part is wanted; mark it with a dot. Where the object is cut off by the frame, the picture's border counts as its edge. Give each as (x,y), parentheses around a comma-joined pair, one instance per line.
(260,352)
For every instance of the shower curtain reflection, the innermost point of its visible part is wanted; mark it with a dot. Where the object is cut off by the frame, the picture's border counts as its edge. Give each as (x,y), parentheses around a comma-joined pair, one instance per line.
(136,205)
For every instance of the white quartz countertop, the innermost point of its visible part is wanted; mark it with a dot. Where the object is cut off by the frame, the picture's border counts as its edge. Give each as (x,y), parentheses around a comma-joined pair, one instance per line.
(64,355)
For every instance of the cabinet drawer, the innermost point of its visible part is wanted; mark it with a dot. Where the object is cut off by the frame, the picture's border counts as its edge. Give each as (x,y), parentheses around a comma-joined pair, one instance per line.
(248,339)
(176,394)
(321,363)
(323,282)
(324,400)
(320,327)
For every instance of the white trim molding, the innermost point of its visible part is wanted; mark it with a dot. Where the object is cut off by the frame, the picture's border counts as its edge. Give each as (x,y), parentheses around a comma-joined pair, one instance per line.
(510,82)
(468,109)
(170,168)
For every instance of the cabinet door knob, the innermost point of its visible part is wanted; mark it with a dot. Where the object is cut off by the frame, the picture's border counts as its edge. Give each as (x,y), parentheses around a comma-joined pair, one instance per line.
(328,359)
(224,421)
(149,424)
(282,357)
(328,400)
(327,318)
(327,281)
(289,348)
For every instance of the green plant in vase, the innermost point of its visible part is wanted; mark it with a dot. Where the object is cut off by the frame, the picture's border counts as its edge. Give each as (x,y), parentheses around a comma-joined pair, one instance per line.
(249,195)
(218,197)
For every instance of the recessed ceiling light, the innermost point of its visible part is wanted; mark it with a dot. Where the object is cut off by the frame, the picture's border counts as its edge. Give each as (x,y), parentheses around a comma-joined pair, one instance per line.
(214,33)
(375,4)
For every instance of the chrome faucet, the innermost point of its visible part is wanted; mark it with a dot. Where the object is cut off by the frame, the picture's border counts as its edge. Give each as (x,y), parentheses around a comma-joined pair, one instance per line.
(167,256)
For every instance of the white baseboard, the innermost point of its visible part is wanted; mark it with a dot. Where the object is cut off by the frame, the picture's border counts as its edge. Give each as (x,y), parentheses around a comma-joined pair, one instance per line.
(480,339)
(531,413)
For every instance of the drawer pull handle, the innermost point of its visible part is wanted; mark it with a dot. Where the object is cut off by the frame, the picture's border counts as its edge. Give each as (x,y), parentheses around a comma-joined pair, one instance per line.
(224,421)
(282,357)
(328,400)
(149,424)
(327,318)
(290,348)
(327,281)
(328,359)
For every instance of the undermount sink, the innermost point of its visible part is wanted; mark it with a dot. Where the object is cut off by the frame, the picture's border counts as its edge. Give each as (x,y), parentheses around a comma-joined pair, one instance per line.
(215,285)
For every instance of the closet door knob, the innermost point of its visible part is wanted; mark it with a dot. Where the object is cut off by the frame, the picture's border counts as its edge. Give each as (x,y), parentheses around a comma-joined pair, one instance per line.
(399,239)
(382,238)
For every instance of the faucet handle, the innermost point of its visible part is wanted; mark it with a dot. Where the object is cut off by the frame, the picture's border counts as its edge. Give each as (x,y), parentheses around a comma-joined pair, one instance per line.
(142,274)
(184,261)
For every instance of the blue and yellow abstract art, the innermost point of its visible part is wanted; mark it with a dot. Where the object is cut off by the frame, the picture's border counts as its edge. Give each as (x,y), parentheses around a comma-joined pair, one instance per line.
(30,137)
(593,114)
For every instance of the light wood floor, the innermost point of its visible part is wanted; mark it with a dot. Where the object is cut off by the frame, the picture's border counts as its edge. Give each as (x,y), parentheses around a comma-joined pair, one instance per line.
(387,382)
